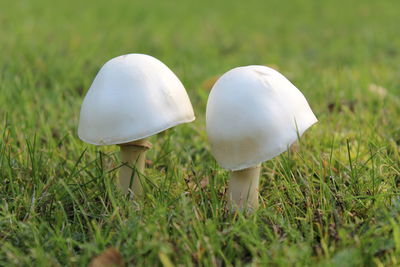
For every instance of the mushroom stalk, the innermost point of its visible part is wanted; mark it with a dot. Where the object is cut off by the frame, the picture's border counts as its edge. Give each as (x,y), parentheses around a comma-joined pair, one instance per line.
(243,189)
(133,157)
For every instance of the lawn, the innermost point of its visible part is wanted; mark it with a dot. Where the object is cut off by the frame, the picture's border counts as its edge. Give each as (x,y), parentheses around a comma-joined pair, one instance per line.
(331,200)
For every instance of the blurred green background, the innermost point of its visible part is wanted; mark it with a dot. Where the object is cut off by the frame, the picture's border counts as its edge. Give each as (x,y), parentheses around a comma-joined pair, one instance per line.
(58,208)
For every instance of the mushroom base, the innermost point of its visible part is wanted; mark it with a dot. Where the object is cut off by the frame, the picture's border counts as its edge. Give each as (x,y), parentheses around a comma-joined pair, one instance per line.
(243,189)
(133,157)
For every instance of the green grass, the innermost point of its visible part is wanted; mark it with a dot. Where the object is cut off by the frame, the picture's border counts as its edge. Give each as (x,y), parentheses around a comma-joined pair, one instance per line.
(333,200)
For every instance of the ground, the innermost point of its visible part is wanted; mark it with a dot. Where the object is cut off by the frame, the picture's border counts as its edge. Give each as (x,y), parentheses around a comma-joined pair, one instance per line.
(331,200)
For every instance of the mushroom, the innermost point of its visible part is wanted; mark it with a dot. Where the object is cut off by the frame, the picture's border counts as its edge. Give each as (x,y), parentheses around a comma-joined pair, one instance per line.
(253,114)
(133,97)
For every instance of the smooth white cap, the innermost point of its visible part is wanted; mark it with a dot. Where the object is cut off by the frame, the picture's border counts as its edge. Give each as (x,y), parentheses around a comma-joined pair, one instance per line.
(254,114)
(132,97)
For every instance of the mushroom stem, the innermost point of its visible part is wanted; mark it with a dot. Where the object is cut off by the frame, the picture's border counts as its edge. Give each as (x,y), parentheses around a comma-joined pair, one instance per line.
(133,157)
(243,189)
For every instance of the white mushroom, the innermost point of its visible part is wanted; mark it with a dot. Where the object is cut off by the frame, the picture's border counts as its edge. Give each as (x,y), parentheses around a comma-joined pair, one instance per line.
(132,97)
(253,114)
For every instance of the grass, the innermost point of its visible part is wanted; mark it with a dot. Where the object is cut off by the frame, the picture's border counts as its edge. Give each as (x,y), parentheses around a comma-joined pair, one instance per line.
(332,200)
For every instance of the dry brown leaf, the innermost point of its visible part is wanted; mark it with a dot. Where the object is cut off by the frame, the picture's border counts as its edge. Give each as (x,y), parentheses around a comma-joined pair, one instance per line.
(273,66)
(203,183)
(295,147)
(327,165)
(108,258)
(149,163)
(209,83)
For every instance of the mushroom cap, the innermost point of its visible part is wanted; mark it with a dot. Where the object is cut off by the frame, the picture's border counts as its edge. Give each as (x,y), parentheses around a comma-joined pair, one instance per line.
(132,97)
(254,114)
